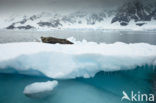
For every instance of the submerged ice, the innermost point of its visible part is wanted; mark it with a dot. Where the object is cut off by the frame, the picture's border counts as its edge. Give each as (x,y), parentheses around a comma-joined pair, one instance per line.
(83,59)
(40,89)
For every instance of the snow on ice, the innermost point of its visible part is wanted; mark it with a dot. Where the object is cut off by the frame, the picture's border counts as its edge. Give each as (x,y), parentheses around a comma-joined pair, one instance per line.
(83,59)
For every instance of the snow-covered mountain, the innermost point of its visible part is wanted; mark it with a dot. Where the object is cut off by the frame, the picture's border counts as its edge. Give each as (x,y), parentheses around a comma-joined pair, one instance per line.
(46,20)
(137,11)
(134,14)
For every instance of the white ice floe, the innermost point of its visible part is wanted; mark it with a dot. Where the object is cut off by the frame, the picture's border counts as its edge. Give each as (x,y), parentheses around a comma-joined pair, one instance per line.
(82,59)
(40,89)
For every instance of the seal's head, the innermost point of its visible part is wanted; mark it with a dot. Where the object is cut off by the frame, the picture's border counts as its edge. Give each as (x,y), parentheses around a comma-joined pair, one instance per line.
(43,38)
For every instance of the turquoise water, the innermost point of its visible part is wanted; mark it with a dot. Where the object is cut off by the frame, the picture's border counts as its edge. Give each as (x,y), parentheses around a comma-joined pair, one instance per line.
(105,87)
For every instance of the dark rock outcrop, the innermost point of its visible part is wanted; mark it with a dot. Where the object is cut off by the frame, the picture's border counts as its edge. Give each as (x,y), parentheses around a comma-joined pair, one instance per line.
(11,26)
(25,27)
(135,10)
(53,40)
(140,24)
(55,23)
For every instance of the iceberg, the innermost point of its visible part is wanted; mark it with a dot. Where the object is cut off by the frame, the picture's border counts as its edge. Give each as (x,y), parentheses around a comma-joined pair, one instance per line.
(40,89)
(82,59)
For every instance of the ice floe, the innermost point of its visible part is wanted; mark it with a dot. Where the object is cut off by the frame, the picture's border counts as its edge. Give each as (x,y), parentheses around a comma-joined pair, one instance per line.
(83,59)
(40,89)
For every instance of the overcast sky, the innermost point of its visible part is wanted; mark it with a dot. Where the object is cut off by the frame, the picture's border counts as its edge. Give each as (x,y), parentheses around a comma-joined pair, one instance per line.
(28,5)
(59,5)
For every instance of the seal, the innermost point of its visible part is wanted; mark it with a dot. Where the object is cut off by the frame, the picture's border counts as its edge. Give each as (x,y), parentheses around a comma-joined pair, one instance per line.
(53,40)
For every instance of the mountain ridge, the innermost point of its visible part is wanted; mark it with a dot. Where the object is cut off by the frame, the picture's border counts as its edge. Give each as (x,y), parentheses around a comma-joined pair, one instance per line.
(131,14)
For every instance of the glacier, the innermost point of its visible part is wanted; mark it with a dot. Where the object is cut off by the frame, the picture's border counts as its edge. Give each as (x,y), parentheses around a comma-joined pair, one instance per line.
(83,59)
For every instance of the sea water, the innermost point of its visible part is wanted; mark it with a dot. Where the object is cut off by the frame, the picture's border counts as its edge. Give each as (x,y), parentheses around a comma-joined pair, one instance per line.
(105,87)
(106,36)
